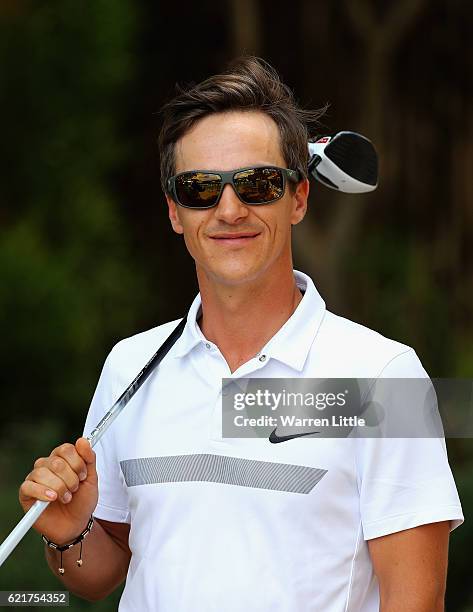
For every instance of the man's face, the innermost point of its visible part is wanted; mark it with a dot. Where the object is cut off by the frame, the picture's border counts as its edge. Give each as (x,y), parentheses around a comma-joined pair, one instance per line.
(235,243)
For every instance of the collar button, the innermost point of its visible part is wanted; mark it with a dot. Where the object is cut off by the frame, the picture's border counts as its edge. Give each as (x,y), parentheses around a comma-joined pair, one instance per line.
(262,358)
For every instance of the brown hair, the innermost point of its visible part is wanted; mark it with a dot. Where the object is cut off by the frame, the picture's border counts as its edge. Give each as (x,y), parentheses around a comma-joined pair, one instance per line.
(249,83)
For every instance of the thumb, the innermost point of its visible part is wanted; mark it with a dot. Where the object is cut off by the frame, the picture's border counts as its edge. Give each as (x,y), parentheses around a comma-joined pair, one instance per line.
(88,455)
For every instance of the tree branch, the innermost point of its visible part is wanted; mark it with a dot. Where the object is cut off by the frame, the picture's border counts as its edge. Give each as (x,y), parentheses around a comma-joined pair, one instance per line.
(246,22)
(362,18)
(403,14)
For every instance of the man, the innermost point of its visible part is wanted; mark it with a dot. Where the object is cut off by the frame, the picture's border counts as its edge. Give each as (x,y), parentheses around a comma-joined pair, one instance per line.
(195,521)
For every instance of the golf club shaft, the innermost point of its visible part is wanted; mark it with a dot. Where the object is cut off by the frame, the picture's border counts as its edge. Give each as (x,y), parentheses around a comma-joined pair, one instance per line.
(40,506)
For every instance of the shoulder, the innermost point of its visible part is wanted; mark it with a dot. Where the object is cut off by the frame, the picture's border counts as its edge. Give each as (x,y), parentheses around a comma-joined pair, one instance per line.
(366,350)
(132,353)
(126,359)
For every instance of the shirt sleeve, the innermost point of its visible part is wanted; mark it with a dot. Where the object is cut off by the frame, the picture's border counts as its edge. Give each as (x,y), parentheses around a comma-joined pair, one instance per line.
(405,482)
(113,500)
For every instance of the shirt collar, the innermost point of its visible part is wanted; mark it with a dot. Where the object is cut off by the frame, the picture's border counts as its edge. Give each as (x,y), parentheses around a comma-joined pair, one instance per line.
(290,345)
(192,334)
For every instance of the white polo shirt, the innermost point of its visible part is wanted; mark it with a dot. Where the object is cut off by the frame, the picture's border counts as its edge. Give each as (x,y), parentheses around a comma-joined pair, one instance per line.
(246,525)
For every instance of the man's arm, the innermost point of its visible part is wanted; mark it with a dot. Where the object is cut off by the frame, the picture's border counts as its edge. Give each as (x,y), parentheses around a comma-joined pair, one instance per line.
(411,567)
(106,557)
(69,477)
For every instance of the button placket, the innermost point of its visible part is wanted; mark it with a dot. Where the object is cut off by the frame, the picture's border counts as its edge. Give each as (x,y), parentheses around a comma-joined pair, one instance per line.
(220,370)
(245,371)
(230,386)
(215,429)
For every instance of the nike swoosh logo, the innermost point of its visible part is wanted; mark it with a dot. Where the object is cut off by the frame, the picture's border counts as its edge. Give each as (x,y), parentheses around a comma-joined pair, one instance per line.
(275,439)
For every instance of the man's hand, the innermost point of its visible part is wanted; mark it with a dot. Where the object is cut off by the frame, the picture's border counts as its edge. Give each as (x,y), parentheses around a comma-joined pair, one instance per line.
(411,567)
(67,479)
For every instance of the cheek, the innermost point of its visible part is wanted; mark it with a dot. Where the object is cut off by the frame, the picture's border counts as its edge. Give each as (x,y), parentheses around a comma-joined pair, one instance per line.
(279,225)
(189,237)
(188,243)
(192,232)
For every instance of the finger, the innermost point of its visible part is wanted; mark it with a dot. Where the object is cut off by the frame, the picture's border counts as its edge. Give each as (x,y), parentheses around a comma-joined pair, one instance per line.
(40,462)
(63,470)
(69,454)
(50,480)
(88,455)
(30,490)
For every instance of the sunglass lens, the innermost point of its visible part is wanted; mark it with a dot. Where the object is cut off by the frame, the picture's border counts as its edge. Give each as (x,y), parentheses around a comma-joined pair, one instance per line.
(198,189)
(259,185)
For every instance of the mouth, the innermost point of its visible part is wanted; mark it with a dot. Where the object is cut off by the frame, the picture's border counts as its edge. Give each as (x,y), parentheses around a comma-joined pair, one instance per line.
(235,239)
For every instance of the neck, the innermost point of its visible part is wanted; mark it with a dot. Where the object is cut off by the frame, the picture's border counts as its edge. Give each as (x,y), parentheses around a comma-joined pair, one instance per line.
(241,319)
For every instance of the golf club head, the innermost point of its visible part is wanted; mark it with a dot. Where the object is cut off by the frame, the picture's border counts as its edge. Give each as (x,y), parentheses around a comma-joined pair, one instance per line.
(347,162)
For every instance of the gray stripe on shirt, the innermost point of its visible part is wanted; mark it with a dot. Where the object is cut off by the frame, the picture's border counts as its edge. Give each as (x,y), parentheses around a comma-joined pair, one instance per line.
(221,469)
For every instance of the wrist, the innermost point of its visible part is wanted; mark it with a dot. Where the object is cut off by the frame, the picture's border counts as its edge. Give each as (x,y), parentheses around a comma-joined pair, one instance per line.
(62,547)
(66,536)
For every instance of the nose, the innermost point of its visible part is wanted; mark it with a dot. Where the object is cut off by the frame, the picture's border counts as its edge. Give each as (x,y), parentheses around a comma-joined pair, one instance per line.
(230,208)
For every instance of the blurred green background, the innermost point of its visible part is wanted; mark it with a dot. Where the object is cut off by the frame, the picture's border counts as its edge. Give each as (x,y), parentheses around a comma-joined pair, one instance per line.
(87,255)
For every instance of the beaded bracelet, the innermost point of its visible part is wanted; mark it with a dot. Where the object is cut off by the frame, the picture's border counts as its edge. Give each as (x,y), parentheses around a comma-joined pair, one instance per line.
(64,547)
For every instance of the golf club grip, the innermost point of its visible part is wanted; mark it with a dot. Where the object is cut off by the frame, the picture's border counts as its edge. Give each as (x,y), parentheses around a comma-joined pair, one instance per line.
(30,517)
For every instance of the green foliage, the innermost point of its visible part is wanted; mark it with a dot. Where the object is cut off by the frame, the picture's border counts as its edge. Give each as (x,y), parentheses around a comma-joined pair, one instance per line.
(397,293)
(69,285)
(68,282)
(64,66)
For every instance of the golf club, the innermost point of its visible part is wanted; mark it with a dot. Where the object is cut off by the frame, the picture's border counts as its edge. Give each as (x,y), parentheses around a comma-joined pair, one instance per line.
(347,162)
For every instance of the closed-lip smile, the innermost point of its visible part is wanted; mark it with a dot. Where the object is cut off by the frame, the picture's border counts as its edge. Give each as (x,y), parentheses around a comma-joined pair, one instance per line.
(235,236)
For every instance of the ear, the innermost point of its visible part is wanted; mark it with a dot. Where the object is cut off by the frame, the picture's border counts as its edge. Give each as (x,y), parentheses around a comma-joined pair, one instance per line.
(174,215)
(299,202)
